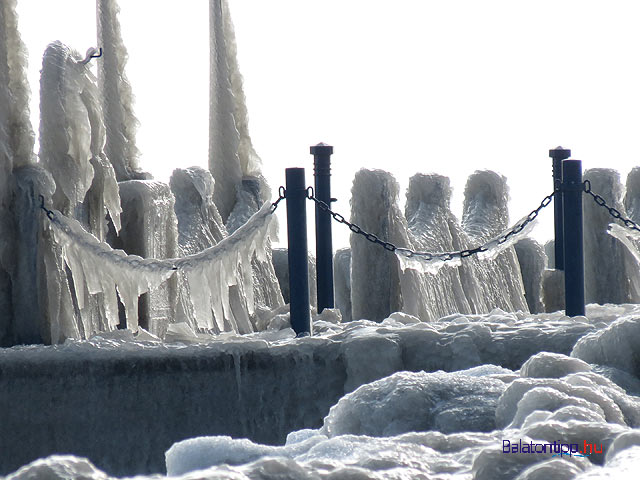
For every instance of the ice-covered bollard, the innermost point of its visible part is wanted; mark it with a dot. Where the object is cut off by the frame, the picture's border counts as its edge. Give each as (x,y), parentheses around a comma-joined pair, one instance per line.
(532,260)
(485,215)
(116,96)
(433,228)
(608,267)
(149,229)
(375,283)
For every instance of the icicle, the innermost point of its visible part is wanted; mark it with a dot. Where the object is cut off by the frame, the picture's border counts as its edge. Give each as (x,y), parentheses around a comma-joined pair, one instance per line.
(97,268)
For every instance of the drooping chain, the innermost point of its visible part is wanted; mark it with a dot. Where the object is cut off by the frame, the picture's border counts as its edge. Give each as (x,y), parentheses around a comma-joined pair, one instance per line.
(282,194)
(445,256)
(612,211)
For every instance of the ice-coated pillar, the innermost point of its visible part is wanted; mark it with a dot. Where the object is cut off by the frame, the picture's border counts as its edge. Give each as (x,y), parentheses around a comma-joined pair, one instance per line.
(572,191)
(324,246)
(297,253)
(375,282)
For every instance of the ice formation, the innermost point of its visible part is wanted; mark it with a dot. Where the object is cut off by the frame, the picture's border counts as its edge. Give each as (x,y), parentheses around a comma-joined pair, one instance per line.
(532,260)
(469,285)
(16,150)
(94,265)
(611,275)
(116,95)
(231,154)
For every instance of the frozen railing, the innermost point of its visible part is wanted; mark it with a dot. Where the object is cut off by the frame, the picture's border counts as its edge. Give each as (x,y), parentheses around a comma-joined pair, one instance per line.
(100,269)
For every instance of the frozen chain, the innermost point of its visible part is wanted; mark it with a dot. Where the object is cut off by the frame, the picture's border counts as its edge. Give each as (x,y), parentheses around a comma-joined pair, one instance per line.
(427,255)
(612,211)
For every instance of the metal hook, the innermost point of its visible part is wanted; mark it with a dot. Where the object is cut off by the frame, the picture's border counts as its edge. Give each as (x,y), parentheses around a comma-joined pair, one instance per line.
(92,52)
(49,212)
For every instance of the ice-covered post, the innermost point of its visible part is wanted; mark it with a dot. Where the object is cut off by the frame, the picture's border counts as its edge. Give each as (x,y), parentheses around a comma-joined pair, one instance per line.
(324,247)
(558,154)
(572,190)
(296,196)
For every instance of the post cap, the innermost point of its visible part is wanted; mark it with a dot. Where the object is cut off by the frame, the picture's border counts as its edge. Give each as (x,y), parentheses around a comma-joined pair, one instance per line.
(559,153)
(321,149)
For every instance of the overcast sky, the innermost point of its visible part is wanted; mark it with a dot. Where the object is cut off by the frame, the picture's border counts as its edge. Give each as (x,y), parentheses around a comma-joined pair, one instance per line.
(406,86)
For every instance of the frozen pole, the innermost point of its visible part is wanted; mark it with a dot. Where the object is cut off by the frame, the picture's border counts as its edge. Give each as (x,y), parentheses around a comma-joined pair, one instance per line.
(296,196)
(558,154)
(324,247)
(572,190)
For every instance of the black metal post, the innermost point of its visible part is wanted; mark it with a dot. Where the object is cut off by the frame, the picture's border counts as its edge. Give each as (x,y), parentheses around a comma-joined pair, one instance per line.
(296,196)
(558,155)
(324,246)
(572,191)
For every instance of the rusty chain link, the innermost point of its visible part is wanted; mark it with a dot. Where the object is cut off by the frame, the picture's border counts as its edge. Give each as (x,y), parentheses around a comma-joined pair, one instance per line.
(612,211)
(445,256)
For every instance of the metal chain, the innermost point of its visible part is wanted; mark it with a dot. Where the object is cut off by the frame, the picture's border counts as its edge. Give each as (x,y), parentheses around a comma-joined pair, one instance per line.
(282,194)
(49,213)
(612,211)
(427,255)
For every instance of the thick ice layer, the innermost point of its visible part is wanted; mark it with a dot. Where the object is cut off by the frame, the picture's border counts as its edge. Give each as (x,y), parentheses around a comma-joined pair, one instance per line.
(375,281)
(236,387)
(231,153)
(116,96)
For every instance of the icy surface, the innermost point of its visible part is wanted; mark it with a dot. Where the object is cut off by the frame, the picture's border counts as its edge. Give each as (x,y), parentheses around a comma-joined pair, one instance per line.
(386,421)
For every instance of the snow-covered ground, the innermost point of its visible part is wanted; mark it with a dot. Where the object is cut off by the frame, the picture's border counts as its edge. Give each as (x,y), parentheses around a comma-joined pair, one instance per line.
(421,400)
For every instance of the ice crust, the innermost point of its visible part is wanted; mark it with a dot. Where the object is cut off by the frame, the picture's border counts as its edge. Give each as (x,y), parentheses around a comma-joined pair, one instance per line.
(389,417)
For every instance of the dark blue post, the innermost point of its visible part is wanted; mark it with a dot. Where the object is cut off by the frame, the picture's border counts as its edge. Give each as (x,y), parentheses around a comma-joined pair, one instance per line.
(558,155)
(572,191)
(324,247)
(296,196)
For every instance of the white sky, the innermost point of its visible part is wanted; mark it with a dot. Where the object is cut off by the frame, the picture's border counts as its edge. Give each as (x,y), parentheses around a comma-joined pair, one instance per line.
(406,86)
